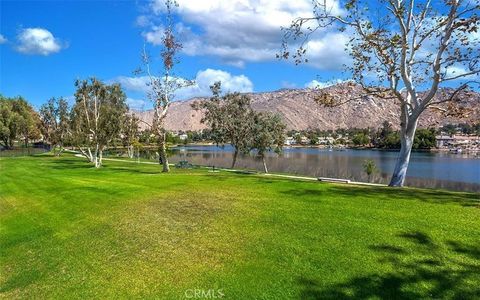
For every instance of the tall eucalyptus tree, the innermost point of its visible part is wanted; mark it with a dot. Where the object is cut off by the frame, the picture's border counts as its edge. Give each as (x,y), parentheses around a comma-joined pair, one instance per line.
(97,117)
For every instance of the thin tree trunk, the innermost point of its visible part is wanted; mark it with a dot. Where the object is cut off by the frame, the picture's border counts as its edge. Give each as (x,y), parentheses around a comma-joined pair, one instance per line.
(235,154)
(400,171)
(100,157)
(61,149)
(162,151)
(96,157)
(85,154)
(90,155)
(264,164)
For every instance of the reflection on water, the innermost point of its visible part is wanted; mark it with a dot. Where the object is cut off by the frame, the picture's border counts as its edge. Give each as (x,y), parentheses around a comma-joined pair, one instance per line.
(433,170)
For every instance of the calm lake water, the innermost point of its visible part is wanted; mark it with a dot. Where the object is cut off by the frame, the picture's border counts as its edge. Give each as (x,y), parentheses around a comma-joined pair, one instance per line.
(432,170)
(22,152)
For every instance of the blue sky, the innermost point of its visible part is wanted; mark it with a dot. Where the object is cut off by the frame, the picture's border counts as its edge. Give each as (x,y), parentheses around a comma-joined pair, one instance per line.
(46,45)
(104,39)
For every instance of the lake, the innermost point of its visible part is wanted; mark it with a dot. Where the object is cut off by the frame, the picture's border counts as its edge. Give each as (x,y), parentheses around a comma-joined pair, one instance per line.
(21,151)
(451,171)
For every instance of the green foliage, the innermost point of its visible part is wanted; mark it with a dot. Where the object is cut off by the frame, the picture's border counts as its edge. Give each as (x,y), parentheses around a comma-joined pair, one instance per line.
(463,128)
(449,129)
(171,138)
(298,138)
(55,117)
(97,116)
(361,139)
(387,138)
(370,168)
(130,129)
(146,136)
(230,118)
(268,133)
(18,120)
(424,139)
(98,112)
(392,141)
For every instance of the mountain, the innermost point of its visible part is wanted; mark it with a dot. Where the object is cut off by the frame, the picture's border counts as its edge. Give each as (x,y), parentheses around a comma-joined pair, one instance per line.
(300,111)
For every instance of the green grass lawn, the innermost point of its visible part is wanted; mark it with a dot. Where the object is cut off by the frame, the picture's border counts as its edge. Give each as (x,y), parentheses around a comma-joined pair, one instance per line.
(129,231)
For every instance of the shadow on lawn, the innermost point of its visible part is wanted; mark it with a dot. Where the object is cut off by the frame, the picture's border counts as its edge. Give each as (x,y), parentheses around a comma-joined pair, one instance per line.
(62,163)
(132,170)
(424,195)
(422,269)
(70,164)
(305,192)
(392,194)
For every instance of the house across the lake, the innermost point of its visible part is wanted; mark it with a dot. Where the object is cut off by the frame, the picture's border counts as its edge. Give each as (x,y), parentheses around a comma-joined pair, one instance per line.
(458,141)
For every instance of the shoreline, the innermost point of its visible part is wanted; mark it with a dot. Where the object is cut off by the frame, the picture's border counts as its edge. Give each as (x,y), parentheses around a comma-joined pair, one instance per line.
(434,150)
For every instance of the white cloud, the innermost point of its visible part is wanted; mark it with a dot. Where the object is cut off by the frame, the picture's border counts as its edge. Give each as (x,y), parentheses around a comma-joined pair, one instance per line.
(208,77)
(136,84)
(136,104)
(155,35)
(3,40)
(142,21)
(240,31)
(328,52)
(458,70)
(315,84)
(201,88)
(38,41)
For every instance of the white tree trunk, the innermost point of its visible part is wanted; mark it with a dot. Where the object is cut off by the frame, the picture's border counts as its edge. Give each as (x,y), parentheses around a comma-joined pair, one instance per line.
(88,154)
(400,171)
(60,151)
(100,157)
(162,151)
(264,164)
(97,157)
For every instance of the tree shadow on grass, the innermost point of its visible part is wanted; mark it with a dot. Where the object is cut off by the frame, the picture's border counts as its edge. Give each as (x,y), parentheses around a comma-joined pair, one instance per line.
(422,268)
(304,193)
(392,194)
(132,170)
(21,280)
(71,163)
(61,163)
(424,195)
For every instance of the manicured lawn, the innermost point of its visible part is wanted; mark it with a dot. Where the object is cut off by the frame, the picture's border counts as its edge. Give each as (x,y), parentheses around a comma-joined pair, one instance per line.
(129,231)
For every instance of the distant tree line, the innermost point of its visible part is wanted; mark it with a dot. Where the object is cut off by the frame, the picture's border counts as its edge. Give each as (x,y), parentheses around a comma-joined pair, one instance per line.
(462,128)
(384,137)
(100,119)
(18,121)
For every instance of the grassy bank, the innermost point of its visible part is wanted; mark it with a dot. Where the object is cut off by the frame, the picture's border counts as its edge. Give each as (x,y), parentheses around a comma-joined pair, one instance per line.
(127,230)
